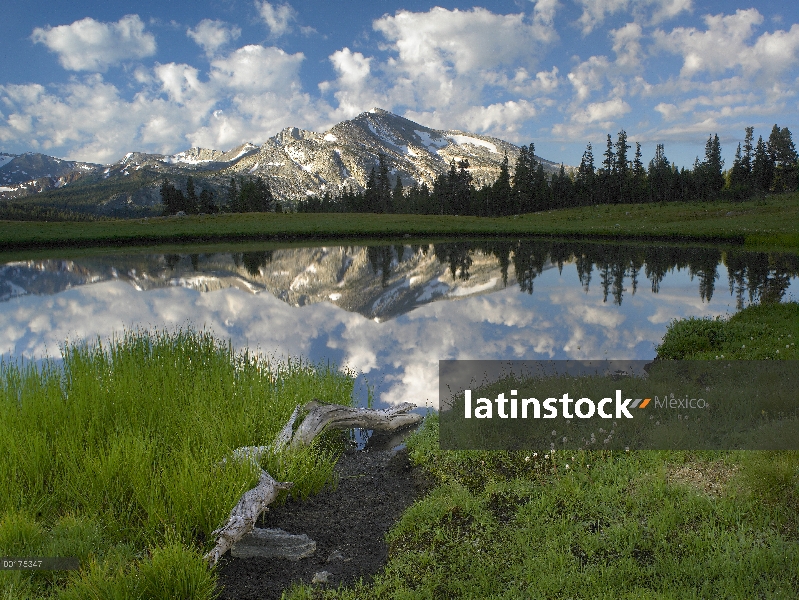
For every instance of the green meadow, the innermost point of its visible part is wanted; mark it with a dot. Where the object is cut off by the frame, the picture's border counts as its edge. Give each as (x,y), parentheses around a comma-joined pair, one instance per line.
(766,223)
(114,457)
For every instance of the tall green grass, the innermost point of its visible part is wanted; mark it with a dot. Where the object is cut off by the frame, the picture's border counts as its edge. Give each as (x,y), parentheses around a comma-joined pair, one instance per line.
(114,456)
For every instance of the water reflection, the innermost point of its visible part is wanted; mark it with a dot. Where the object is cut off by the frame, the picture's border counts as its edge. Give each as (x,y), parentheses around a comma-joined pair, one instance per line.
(390,310)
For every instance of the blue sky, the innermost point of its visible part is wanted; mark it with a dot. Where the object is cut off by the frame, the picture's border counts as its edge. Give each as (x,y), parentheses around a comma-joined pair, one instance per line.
(94,80)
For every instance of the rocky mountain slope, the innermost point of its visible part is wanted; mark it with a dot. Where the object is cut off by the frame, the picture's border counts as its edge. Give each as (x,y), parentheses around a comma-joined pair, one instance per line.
(295,162)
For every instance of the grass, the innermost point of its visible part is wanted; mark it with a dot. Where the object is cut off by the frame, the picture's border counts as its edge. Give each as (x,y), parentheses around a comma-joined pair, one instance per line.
(769,223)
(604,524)
(113,457)
(763,331)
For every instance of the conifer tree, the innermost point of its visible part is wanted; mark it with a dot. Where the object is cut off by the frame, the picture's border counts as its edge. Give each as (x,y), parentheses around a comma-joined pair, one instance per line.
(783,158)
(501,190)
(398,197)
(762,167)
(586,175)
(383,186)
(191,197)
(233,196)
(622,169)
(638,177)
(370,195)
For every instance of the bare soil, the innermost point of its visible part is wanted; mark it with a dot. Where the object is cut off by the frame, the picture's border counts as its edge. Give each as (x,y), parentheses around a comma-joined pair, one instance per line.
(349,523)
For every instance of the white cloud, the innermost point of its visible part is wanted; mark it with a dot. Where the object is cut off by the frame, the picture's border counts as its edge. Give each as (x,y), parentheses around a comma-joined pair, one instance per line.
(248,94)
(595,11)
(463,68)
(589,76)
(724,46)
(89,45)
(603,112)
(277,18)
(461,41)
(627,45)
(212,35)
(651,11)
(544,11)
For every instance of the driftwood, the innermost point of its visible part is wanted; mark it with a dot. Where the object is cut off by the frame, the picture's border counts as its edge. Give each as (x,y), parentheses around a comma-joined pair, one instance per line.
(320,416)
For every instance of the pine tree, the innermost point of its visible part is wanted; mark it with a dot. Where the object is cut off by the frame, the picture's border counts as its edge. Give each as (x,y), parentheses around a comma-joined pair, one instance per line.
(711,171)
(762,167)
(191,197)
(398,197)
(607,179)
(622,169)
(233,196)
(660,180)
(383,186)
(586,177)
(501,190)
(522,183)
(738,175)
(461,189)
(784,158)
(370,196)
(746,161)
(638,177)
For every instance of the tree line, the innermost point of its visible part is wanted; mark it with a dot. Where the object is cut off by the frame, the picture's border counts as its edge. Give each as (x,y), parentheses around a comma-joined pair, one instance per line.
(765,167)
(243,195)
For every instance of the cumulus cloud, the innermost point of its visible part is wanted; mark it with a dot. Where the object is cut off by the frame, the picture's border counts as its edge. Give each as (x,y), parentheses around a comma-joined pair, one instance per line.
(627,45)
(277,18)
(89,45)
(650,11)
(247,94)
(463,68)
(212,35)
(724,45)
(603,112)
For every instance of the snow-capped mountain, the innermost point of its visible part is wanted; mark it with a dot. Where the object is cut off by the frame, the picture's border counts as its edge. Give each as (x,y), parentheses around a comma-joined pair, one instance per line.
(297,163)
(23,174)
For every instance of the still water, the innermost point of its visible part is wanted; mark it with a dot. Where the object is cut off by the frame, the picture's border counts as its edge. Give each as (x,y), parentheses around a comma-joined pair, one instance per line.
(391,312)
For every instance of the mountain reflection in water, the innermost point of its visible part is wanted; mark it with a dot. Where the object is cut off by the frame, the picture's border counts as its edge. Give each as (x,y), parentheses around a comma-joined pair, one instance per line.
(383,310)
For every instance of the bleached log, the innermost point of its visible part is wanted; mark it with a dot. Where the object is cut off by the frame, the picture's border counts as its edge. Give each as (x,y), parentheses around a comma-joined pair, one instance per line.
(336,416)
(320,416)
(244,515)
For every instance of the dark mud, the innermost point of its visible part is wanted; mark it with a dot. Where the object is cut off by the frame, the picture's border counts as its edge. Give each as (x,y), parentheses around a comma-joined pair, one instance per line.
(349,524)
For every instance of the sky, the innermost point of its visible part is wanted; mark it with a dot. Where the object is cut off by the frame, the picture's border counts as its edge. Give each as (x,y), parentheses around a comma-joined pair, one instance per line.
(90,80)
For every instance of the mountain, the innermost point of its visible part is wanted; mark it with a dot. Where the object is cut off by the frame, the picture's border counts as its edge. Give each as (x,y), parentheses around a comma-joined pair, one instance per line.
(296,163)
(31,172)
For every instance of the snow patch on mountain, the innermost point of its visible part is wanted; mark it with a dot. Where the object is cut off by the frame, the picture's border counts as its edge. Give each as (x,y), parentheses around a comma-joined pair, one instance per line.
(467,139)
(428,141)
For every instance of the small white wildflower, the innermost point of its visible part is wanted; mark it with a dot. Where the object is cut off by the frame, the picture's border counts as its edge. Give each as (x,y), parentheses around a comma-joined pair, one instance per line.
(535,454)
(743,345)
(554,433)
(564,439)
(601,430)
(526,459)
(567,465)
(552,445)
(626,448)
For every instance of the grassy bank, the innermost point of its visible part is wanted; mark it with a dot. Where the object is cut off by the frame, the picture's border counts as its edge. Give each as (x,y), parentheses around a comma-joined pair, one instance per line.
(606,524)
(767,223)
(113,457)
